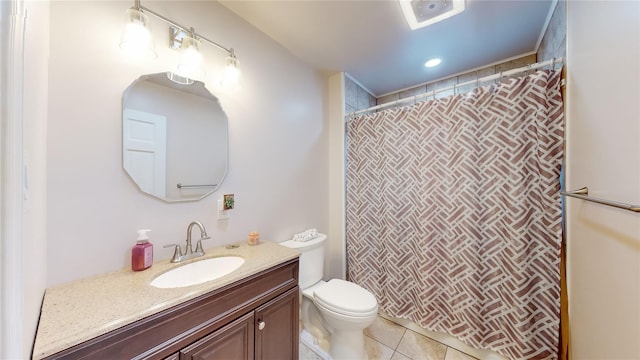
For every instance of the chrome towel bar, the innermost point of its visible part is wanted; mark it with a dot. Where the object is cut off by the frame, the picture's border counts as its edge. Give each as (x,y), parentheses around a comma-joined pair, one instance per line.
(180,186)
(584,195)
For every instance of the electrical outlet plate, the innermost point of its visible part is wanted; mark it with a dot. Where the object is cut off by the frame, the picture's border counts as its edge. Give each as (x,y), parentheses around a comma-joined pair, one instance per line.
(222,213)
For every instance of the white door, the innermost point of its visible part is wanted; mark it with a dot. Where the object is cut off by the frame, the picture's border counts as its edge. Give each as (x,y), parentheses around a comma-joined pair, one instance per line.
(144,150)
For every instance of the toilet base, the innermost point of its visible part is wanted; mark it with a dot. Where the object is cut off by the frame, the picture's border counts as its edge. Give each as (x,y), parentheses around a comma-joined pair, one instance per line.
(312,344)
(347,345)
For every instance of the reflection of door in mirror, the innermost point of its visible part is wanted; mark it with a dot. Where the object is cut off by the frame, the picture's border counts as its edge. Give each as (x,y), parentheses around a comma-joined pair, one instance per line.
(145,147)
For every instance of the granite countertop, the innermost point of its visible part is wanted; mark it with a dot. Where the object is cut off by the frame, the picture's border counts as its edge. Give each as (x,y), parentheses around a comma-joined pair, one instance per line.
(83,309)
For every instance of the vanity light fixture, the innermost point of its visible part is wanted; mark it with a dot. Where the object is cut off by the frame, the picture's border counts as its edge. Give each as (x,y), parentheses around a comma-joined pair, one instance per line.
(186,40)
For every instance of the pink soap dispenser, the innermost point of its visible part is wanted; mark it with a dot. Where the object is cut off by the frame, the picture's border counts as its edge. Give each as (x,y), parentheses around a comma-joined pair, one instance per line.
(142,253)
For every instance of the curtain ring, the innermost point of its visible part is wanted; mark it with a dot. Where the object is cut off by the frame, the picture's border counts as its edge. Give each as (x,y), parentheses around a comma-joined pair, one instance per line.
(553,63)
(399,106)
(454,89)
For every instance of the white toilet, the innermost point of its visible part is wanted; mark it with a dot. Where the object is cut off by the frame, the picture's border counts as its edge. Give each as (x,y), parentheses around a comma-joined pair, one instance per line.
(335,311)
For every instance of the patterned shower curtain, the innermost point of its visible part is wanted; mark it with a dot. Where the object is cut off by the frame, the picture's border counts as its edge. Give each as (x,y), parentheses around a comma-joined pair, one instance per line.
(454,216)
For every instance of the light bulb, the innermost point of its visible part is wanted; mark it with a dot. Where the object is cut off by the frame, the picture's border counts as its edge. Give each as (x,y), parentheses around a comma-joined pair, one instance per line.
(136,39)
(190,58)
(231,74)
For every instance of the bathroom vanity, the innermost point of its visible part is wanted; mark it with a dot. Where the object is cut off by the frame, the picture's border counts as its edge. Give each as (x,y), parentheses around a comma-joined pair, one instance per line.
(251,313)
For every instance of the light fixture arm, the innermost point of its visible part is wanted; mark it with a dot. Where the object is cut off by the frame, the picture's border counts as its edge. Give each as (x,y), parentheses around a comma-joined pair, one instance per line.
(183,28)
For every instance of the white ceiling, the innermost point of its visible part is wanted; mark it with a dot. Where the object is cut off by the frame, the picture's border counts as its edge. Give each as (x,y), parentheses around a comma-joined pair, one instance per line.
(371,41)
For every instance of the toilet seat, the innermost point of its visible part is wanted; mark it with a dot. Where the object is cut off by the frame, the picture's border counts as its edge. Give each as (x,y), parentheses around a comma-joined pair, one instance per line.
(345,298)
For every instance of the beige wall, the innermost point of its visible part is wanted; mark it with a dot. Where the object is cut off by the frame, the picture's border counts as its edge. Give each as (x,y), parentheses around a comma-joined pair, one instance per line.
(34,245)
(335,262)
(277,128)
(603,153)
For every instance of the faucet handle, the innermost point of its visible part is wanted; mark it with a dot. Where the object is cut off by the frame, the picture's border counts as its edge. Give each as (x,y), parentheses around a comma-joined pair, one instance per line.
(177,253)
(199,248)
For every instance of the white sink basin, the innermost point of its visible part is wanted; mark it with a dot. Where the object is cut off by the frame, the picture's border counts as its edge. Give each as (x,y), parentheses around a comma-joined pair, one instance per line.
(198,272)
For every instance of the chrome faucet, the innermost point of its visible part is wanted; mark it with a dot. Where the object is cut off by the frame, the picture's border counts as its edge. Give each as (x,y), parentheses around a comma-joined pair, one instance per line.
(178,256)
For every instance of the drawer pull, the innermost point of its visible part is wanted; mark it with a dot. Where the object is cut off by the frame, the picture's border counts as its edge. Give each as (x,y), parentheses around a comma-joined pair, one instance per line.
(261,325)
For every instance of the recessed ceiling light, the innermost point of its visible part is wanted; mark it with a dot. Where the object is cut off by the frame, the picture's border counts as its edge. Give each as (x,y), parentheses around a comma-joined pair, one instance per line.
(432,62)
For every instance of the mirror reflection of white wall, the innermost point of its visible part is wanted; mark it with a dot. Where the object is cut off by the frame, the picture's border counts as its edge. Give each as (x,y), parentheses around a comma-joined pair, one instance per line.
(196,136)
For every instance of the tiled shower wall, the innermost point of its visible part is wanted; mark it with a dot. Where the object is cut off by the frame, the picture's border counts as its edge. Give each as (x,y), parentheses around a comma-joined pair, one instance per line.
(356,97)
(553,45)
(554,42)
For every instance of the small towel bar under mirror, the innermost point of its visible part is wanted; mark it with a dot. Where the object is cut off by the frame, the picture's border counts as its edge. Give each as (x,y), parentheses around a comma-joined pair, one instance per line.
(180,186)
(584,195)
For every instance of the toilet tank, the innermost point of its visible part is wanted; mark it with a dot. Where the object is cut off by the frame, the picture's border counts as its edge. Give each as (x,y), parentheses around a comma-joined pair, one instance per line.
(311,259)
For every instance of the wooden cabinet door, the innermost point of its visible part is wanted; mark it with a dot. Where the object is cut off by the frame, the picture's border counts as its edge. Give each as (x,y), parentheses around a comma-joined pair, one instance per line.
(234,341)
(277,328)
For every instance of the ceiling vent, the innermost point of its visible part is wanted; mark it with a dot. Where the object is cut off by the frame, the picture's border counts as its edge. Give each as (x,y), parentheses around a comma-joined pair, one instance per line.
(421,13)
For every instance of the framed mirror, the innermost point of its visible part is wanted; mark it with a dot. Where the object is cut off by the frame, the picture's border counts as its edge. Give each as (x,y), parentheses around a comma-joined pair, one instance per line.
(174,137)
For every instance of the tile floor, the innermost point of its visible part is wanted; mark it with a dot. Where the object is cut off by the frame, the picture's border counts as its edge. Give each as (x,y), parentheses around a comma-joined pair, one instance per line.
(386,340)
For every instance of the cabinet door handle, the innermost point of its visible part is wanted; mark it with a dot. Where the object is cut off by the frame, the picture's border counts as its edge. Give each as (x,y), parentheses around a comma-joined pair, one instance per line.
(261,325)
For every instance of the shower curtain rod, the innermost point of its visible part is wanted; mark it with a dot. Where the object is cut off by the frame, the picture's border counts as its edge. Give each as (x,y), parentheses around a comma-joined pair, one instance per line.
(502,74)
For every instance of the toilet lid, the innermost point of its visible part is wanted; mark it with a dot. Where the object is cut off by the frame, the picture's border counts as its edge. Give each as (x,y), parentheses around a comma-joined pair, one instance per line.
(346,298)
